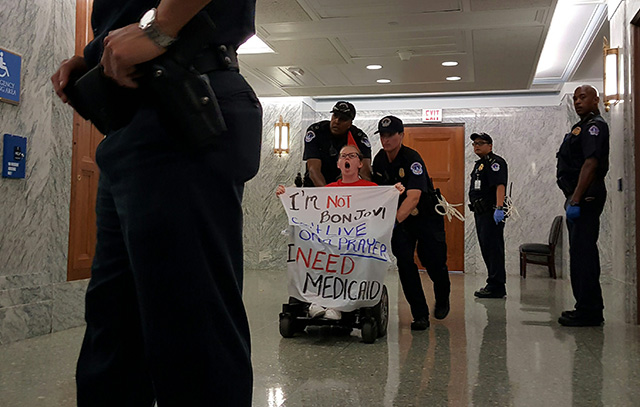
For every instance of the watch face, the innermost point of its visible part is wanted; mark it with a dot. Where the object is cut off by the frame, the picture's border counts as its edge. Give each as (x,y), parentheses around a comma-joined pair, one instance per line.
(147,19)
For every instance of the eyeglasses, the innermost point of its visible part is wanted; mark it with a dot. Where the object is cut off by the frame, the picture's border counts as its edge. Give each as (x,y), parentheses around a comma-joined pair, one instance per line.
(479,143)
(349,155)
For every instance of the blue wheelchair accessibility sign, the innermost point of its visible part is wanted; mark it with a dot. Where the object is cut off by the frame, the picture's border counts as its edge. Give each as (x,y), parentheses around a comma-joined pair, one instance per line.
(10,65)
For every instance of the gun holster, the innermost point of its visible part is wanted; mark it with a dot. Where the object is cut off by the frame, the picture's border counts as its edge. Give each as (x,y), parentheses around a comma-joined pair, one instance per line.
(480,206)
(566,186)
(99,99)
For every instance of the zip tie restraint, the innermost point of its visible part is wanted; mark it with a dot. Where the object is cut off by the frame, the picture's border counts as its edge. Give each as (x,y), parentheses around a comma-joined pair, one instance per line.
(510,208)
(444,208)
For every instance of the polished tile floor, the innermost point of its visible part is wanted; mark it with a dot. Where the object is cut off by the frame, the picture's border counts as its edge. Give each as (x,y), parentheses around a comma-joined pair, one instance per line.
(485,353)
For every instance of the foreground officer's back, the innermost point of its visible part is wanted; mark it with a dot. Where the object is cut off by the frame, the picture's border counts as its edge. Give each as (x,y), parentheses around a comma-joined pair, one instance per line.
(164,310)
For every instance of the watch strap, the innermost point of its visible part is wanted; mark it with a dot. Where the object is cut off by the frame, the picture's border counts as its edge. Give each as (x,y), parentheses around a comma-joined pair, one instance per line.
(158,37)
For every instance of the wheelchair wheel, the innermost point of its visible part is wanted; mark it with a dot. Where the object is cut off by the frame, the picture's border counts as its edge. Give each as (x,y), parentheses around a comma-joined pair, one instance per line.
(369,331)
(381,313)
(287,329)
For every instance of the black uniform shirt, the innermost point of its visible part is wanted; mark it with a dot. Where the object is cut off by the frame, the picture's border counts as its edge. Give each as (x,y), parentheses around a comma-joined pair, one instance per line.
(487,174)
(408,169)
(234,21)
(588,138)
(321,144)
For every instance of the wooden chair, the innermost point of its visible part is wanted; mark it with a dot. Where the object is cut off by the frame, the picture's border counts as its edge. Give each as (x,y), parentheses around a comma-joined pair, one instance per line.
(540,250)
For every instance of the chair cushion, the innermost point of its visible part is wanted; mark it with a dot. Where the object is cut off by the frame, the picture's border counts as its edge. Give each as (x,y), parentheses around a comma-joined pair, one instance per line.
(535,248)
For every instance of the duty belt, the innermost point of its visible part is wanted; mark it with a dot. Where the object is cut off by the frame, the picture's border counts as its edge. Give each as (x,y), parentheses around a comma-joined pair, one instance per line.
(480,206)
(216,58)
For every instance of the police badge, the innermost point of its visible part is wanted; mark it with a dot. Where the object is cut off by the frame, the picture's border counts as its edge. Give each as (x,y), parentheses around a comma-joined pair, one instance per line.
(310,136)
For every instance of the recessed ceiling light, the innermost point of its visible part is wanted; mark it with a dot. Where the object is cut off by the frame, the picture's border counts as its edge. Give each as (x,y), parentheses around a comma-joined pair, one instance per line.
(254,45)
(383,80)
(295,71)
(450,63)
(453,78)
(374,67)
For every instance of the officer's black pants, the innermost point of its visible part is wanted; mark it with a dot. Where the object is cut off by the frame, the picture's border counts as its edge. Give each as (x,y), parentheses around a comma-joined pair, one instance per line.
(428,233)
(491,239)
(164,311)
(584,257)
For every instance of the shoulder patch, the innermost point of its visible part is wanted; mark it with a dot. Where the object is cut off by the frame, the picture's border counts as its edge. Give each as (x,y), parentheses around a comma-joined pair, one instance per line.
(365,141)
(495,167)
(594,130)
(416,168)
(310,136)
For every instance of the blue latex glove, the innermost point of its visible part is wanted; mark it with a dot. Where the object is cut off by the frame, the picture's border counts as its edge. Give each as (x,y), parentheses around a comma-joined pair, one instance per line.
(573,213)
(498,215)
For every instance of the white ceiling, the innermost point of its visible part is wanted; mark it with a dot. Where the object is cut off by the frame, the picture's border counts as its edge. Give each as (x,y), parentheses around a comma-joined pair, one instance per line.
(497,44)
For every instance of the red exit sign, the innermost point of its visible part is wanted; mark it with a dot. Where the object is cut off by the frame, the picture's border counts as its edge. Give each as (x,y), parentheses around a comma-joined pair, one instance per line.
(431,115)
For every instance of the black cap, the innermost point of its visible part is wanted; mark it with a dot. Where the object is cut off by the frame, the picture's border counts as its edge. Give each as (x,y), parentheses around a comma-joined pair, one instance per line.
(390,124)
(345,109)
(482,136)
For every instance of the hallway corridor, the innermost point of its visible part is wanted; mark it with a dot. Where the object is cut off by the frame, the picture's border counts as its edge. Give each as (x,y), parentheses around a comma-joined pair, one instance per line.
(485,353)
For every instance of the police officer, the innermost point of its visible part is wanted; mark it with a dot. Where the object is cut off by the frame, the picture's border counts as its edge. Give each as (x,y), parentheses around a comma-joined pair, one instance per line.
(164,311)
(323,141)
(486,194)
(583,161)
(417,222)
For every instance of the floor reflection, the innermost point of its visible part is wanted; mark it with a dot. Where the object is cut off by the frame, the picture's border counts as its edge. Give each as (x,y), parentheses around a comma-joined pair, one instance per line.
(492,385)
(485,353)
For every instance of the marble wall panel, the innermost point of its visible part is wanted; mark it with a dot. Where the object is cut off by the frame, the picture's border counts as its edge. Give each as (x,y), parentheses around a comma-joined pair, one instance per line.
(25,321)
(624,273)
(264,217)
(35,210)
(68,305)
(25,295)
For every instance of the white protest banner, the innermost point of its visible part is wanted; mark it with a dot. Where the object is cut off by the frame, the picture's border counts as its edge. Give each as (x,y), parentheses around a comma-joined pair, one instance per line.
(340,243)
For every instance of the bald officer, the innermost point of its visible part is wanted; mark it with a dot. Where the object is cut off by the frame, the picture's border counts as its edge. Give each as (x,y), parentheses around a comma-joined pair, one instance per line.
(583,162)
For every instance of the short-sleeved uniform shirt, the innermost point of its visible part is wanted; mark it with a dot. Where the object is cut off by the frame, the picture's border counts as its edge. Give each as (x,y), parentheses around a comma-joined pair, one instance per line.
(321,144)
(234,21)
(488,172)
(359,183)
(588,138)
(408,169)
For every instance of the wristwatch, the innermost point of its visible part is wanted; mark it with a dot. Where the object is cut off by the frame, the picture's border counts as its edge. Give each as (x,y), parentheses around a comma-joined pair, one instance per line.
(147,24)
(574,203)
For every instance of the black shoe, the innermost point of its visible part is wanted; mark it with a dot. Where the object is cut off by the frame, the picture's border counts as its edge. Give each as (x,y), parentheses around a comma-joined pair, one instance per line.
(569,314)
(580,320)
(442,310)
(420,324)
(487,293)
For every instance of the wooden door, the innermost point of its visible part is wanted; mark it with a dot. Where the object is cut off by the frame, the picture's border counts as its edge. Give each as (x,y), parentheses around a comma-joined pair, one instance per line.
(84,171)
(442,149)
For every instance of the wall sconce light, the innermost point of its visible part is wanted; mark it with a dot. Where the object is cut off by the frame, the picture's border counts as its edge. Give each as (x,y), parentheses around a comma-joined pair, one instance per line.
(611,83)
(281,137)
